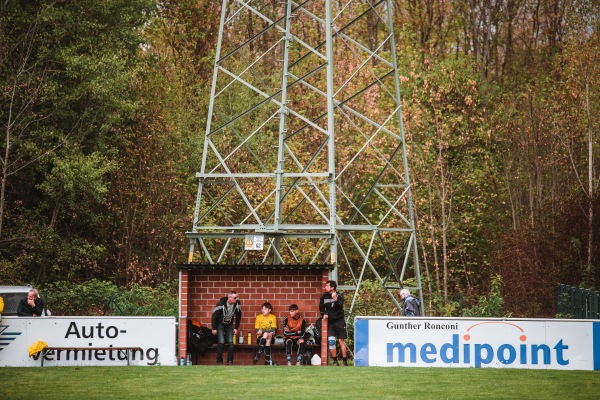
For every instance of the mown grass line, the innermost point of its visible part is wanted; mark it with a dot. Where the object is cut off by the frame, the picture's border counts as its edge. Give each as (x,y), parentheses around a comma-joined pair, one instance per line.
(260,382)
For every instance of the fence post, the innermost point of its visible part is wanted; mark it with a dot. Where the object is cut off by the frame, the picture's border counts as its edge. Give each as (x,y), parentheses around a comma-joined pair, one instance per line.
(574,302)
(579,303)
(594,297)
(586,303)
(561,302)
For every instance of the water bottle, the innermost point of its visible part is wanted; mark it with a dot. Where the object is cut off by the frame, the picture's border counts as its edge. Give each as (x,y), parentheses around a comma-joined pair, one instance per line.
(241,340)
(181,362)
(249,337)
(189,359)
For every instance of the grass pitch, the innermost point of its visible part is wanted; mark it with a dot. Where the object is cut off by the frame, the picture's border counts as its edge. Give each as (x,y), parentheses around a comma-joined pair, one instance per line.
(263,382)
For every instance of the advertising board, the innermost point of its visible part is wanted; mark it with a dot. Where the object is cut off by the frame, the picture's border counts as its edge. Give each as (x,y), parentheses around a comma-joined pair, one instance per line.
(155,336)
(469,342)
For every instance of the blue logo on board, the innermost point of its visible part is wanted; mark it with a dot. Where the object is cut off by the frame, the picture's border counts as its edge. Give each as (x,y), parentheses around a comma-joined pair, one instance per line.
(7,337)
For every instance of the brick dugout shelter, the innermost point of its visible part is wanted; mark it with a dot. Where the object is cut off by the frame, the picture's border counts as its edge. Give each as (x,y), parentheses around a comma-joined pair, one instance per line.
(202,285)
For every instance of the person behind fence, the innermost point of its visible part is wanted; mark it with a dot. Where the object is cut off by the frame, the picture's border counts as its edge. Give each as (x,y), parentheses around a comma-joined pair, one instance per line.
(266,326)
(331,307)
(32,306)
(411,305)
(294,328)
(226,318)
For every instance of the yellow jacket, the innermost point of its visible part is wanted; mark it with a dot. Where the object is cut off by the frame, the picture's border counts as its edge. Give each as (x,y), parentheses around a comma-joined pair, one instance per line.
(265,324)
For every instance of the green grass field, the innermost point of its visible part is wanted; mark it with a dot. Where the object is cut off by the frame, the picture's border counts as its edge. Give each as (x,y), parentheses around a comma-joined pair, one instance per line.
(282,382)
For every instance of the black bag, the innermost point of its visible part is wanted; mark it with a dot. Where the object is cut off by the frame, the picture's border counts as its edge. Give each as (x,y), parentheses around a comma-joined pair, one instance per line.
(200,339)
(318,330)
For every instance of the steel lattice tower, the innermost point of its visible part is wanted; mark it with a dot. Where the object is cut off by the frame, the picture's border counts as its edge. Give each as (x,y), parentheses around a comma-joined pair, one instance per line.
(304,146)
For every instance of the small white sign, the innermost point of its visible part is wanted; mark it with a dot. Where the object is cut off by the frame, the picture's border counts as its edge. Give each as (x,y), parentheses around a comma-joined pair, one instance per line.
(254,242)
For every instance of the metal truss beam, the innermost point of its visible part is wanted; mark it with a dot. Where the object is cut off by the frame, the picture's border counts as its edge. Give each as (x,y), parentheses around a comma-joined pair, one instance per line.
(304,144)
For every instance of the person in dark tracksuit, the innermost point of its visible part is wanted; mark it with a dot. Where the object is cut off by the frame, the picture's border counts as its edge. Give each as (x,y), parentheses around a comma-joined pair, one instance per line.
(226,318)
(332,310)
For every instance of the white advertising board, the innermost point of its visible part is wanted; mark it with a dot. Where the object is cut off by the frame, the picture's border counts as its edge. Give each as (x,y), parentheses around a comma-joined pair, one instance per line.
(154,335)
(469,342)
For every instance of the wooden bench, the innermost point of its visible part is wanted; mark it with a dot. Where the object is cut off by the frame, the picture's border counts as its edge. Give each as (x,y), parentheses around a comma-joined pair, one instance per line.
(255,347)
(122,350)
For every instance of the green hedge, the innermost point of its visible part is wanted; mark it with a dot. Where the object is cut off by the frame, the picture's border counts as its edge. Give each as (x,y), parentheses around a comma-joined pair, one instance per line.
(97,297)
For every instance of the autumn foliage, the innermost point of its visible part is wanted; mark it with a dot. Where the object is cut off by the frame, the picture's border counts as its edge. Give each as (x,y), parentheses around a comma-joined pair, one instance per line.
(103,106)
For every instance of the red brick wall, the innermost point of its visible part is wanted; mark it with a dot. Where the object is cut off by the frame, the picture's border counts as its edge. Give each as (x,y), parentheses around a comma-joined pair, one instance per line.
(201,288)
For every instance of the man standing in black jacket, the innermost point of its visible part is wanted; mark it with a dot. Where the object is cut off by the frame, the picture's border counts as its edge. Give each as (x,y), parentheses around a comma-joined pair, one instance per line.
(332,310)
(32,306)
(226,318)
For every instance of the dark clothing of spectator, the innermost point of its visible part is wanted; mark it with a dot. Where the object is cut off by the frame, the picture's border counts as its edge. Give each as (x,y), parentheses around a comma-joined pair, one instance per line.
(334,309)
(411,307)
(222,314)
(25,310)
(225,318)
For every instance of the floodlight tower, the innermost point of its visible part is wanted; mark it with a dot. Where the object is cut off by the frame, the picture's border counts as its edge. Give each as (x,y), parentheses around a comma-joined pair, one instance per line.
(304,158)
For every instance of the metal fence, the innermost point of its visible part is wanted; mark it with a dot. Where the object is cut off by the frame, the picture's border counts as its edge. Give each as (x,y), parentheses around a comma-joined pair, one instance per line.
(577,303)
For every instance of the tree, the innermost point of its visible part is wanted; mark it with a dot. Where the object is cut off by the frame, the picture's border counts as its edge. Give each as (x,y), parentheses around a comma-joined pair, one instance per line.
(23,79)
(66,79)
(581,58)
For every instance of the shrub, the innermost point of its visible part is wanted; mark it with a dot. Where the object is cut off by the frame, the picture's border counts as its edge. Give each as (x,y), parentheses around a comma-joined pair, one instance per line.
(97,297)
(491,305)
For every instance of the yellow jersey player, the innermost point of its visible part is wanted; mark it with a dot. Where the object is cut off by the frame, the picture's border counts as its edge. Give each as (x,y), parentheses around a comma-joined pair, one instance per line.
(266,326)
